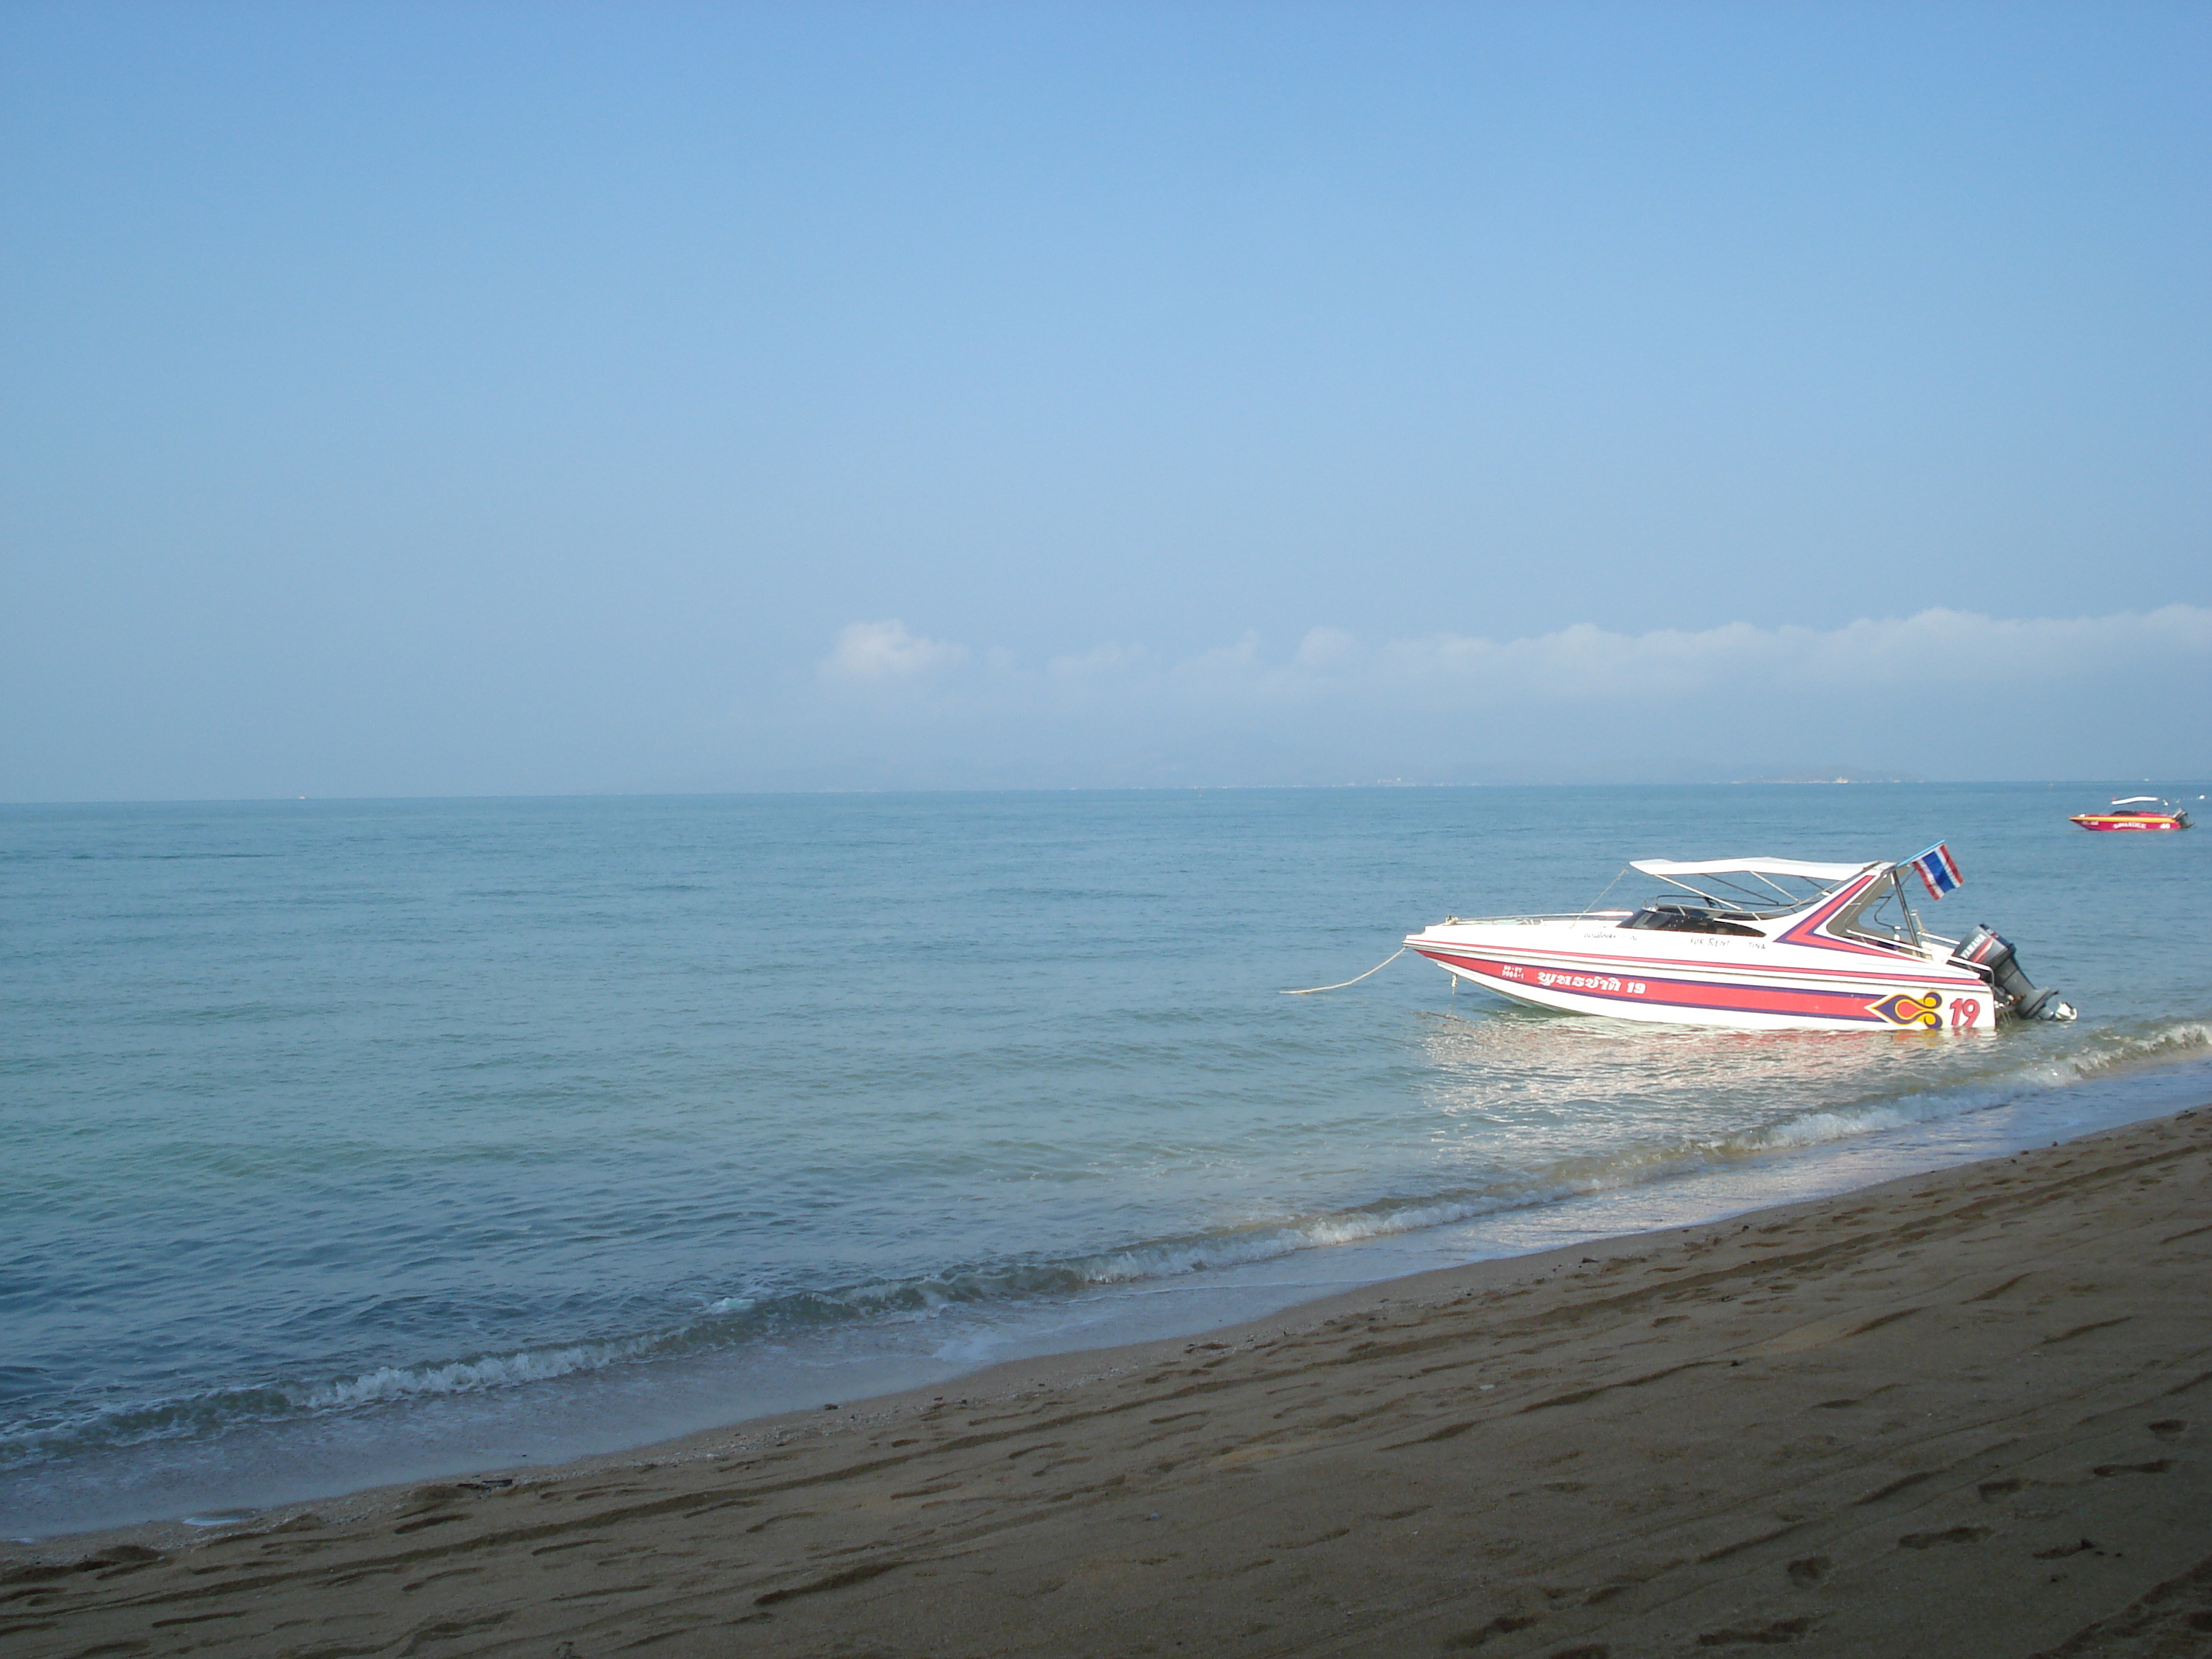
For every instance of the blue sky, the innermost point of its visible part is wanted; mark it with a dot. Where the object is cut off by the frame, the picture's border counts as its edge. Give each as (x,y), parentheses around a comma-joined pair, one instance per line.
(501,398)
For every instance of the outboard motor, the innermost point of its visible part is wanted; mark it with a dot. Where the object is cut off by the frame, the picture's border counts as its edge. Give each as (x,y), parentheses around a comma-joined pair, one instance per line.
(1984,949)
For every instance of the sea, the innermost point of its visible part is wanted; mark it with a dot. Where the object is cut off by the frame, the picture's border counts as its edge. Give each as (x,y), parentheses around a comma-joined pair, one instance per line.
(357,1141)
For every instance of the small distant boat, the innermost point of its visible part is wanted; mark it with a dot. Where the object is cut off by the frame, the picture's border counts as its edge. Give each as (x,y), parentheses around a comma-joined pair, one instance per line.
(2136,812)
(1756,943)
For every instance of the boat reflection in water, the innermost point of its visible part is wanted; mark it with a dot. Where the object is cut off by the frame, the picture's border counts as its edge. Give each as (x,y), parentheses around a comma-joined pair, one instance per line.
(1534,1106)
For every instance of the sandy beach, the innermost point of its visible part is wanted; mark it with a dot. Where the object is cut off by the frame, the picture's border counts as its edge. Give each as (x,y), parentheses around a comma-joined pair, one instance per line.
(1959,1414)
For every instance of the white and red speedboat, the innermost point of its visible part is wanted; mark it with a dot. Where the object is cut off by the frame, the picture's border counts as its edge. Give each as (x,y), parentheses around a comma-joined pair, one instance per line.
(1762,944)
(2136,812)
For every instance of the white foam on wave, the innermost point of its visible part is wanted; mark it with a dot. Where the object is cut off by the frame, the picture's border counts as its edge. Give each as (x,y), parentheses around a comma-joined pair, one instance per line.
(473,1376)
(194,1414)
(2110,1051)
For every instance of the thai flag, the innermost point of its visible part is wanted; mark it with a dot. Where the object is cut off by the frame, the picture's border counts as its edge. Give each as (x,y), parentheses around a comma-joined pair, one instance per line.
(1939,871)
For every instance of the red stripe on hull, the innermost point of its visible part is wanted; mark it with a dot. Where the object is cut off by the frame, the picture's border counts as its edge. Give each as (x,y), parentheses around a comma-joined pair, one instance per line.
(1676,993)
(1619,967)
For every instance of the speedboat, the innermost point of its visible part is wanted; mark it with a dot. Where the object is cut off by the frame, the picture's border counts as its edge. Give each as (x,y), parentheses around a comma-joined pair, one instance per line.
(1757,944)
(2136,812)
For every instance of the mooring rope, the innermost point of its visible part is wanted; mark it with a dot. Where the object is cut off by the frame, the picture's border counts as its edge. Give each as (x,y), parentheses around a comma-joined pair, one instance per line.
(1377,968)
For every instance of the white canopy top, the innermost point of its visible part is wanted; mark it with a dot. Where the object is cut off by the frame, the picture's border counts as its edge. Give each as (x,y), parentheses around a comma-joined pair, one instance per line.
(1670,868)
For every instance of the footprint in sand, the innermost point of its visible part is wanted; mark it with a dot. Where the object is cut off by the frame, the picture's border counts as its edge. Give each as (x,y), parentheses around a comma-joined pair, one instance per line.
(1921,1540)
(1784,1629)
(1503,1625)
(1810,1571)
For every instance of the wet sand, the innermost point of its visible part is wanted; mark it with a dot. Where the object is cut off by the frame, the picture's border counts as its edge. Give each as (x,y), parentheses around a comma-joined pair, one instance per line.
(1965,1412)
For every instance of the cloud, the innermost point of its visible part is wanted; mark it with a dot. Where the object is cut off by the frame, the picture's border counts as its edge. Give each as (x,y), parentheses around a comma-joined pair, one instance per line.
(1101,664)
(1325,649)
(872,652)
(1584,663)
(1936,649)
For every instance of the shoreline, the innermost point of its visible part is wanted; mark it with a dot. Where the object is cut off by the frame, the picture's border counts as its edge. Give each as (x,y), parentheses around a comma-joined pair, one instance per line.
(998,1382)
(1269,1485)
(307,1470)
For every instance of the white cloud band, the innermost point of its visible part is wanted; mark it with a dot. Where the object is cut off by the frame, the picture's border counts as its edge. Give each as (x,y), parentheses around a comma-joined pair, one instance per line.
(1943,693)
(873,652)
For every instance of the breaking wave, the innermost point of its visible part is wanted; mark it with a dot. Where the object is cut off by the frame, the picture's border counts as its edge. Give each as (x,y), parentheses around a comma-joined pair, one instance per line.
(2111,1051)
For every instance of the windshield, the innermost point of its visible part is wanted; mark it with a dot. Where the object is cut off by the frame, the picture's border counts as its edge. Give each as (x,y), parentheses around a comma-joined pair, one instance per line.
(1743,894)
(1882,915)
(1684,915)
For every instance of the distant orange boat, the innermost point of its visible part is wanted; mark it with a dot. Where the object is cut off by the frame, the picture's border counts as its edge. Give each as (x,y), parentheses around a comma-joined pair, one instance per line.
(2136,812)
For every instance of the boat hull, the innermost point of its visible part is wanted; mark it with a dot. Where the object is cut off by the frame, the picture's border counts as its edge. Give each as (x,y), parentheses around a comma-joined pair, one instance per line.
(2131,820)
(1668,985)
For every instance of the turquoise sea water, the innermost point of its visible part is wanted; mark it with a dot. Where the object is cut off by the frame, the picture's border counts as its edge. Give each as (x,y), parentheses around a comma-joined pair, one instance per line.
(350,1141)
